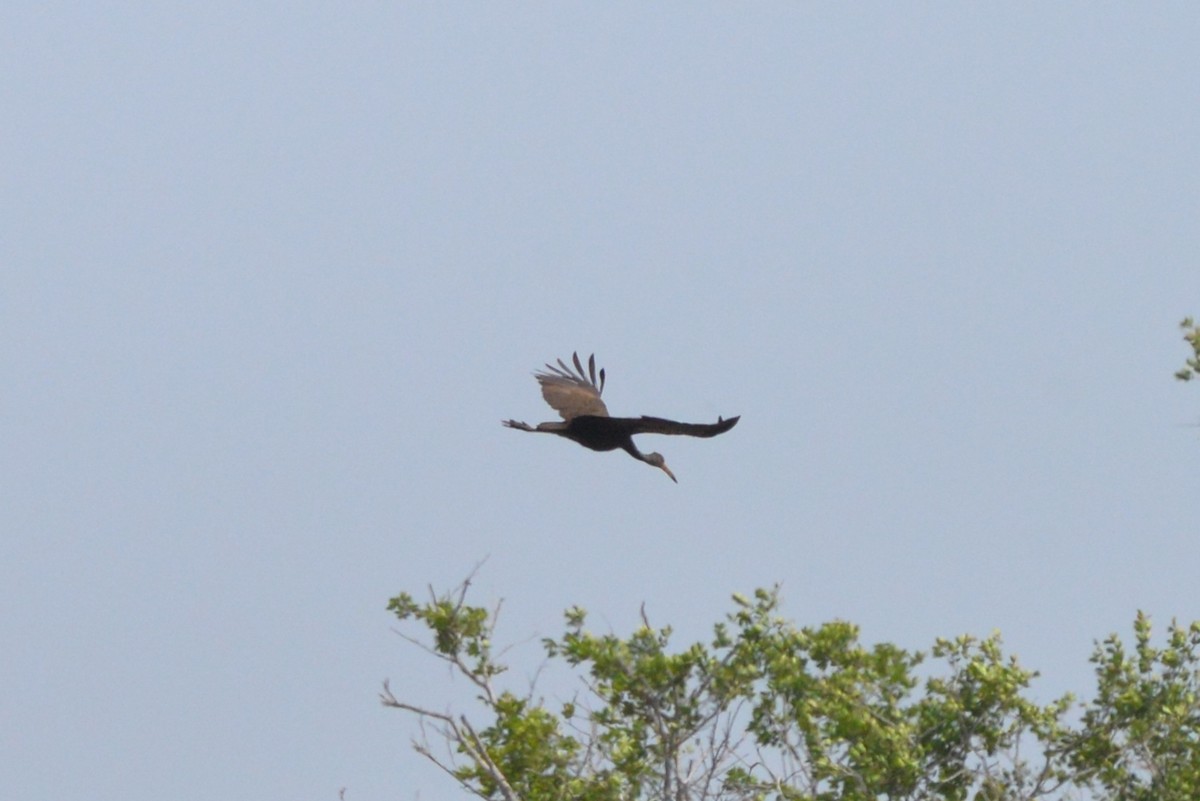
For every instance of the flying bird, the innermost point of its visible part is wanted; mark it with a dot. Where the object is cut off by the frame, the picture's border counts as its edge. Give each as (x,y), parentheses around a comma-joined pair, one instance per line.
(575,395)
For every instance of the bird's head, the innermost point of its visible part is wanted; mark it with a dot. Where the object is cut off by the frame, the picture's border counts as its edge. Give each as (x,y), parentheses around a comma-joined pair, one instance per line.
(658,461)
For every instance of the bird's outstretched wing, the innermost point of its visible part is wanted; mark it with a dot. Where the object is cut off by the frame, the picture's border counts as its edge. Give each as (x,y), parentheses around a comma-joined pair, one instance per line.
(572,394)
(657,425)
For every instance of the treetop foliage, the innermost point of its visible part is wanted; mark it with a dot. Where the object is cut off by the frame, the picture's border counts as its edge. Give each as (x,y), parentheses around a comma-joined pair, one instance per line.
(1191,335)
(766,710)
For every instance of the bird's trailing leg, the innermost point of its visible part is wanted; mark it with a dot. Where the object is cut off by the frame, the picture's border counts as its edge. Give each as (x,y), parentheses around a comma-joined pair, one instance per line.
(545,428)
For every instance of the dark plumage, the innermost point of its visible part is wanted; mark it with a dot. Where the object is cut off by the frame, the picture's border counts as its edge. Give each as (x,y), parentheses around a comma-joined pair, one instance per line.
(575,395)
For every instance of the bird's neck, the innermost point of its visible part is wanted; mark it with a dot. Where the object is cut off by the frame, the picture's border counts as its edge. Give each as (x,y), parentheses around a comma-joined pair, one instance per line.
(632,450)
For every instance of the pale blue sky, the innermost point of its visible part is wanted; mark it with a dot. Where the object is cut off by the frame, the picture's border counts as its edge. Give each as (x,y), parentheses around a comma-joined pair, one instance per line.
(273,274)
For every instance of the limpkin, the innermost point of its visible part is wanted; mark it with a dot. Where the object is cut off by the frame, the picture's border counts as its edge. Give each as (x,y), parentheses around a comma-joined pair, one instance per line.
(575,395)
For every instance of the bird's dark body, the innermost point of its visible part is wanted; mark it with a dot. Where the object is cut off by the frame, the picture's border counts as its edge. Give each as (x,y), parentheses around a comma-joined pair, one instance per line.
(597,433)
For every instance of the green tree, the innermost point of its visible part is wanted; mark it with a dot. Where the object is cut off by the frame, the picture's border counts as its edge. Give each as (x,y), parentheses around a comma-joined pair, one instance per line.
(766,710)
(1191,335)
(1140,738)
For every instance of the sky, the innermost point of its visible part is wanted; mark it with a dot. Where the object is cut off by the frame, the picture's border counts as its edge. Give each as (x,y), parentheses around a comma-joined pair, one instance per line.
(273,274)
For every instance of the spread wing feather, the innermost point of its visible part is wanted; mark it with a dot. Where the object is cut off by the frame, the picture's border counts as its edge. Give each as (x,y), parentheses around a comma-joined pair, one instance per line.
(570,393)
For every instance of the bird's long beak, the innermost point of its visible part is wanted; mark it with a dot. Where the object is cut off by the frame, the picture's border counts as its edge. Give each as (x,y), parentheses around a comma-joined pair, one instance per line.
(667,470)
